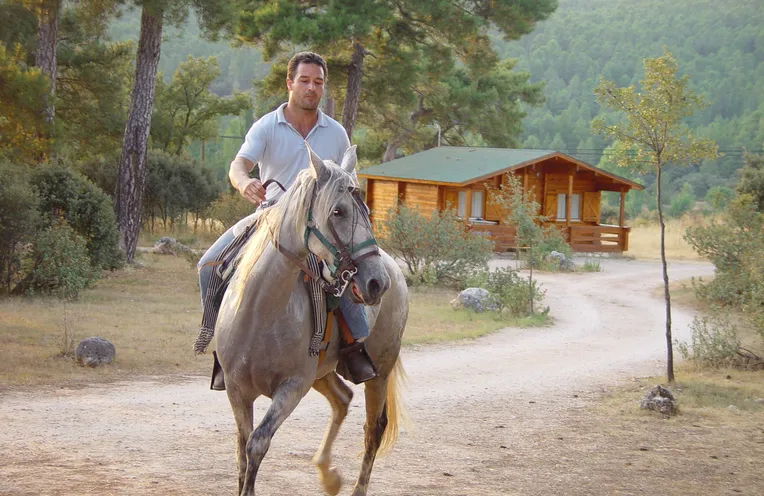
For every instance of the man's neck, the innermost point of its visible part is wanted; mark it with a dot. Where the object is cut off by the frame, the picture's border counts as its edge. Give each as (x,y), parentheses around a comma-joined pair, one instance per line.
(301,119)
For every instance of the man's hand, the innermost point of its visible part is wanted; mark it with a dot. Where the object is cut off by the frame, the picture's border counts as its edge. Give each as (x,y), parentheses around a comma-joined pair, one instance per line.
(252,190)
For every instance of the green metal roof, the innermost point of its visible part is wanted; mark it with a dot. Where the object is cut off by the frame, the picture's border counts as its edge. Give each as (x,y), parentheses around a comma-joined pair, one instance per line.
(452,164)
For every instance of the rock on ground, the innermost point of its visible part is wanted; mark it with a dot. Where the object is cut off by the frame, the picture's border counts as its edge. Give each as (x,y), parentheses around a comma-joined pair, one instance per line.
(661,400)
(169,246)
(95,351)
(475,299)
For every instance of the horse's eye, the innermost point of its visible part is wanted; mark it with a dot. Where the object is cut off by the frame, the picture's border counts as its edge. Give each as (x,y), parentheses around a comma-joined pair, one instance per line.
(338,212)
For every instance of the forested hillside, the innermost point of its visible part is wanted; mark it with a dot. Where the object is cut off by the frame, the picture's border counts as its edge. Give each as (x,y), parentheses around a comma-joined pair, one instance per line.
(718,43)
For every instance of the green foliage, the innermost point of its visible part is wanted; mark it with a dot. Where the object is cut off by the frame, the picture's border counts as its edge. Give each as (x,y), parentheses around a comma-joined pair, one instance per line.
(714,342)
(440,71)
(585,40)
(591,264)
(551,240)
(435,249)
(59,263)
(751,181)
(19,219)
(719,197)
(24,134)
(186,109)
(67,194)
(512,292)
(734,247)
(176,186)
(682,202)
(229,209)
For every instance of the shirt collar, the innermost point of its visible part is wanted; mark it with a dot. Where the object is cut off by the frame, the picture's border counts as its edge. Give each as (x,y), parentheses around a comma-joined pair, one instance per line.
(322,119)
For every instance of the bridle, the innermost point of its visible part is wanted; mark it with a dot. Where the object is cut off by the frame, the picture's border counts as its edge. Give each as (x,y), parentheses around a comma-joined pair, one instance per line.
(345,266)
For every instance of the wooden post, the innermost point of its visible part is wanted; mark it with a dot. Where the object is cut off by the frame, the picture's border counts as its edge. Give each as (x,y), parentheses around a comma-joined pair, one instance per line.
(467,206)
(620,210)
(543,200)
(568,198)
(525,181)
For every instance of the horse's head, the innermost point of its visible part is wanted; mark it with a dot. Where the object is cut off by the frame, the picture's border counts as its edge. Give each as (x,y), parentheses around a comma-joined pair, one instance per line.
(339,231)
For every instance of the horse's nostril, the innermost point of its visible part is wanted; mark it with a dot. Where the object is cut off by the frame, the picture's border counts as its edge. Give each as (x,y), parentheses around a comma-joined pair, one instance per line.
(374,288)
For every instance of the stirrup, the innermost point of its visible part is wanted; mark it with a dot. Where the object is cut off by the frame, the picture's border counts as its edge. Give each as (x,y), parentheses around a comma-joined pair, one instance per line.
(355,364)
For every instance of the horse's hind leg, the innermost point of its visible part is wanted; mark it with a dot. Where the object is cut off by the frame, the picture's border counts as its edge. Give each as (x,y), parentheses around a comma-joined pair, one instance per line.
(339,395)
(376,422)
(242,412)
(285,400)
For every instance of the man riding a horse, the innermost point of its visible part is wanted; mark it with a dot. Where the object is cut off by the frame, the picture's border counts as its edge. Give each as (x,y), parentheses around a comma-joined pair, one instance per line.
(277,142)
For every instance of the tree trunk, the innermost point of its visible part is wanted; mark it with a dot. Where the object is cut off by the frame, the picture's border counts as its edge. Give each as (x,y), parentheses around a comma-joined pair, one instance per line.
(666,294)
(328,104)
(132,162)
(530,278)
(353,93)
(47,41)
(390,151)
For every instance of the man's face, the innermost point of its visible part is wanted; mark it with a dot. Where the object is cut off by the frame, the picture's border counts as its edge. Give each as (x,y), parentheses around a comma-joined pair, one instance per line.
(307,87)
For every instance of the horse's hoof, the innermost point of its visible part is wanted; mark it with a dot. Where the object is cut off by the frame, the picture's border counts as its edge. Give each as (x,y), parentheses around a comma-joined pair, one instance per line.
(332,481)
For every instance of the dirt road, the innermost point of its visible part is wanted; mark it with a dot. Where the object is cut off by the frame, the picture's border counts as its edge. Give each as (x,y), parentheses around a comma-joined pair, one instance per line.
(482,412)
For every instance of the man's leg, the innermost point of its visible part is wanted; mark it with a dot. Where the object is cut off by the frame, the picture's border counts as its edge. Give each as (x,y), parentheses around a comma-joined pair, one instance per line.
(205,265)
(355,364)
(207,272)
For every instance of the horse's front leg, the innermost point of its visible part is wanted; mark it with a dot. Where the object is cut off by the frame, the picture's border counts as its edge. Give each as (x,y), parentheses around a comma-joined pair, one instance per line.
(376,422)
(285,400)
(339,395)
(242,412)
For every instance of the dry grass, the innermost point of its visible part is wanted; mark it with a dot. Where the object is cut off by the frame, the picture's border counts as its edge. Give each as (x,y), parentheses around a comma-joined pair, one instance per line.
(432,320)
(151,314)
(644,240)
(614,447)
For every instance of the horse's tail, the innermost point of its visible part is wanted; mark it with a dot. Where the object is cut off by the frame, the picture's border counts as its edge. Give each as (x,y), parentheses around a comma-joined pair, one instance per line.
(396,412)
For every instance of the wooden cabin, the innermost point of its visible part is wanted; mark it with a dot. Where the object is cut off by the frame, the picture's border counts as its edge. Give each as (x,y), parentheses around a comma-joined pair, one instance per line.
(464,178)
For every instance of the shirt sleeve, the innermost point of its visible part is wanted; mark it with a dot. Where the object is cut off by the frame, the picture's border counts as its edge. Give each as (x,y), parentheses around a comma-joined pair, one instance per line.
(254,144)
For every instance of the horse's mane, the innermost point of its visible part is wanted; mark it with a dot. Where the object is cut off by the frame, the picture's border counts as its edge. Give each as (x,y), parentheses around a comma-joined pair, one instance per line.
(292,207)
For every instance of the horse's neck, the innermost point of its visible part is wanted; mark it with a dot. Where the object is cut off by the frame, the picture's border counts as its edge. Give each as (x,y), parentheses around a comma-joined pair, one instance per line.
(276,272)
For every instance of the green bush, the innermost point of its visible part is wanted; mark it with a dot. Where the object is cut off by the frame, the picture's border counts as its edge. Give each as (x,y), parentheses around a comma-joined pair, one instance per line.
(67,194)
(551,240)
(60,265)
(436,250)
(229,209)
(714,342)
(682,202)
(19,218)
(511,292)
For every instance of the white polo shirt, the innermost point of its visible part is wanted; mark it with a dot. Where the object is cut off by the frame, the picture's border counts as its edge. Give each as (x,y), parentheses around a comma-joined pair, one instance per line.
(280,149)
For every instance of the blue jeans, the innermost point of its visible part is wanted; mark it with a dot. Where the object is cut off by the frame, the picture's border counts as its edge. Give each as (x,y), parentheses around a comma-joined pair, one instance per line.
(354,313)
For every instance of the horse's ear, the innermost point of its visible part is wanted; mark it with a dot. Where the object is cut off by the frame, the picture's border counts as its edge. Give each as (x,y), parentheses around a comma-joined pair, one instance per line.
(349,160)
(316,164)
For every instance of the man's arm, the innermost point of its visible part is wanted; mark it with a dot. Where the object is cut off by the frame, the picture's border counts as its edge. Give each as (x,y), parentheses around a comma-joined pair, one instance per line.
(249,188)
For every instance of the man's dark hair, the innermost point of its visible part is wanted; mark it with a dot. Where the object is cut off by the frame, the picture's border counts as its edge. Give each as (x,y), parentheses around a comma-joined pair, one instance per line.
(306,58)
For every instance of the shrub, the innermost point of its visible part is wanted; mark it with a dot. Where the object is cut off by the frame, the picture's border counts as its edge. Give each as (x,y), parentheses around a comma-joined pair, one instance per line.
(682,202)
(59,264)
(67,194)
(512,292)
(18,220)
(438,249)
(229,209)
(714,342)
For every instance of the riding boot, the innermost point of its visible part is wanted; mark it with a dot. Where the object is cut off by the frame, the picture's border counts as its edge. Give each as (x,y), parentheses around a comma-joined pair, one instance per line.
(218,379)
(354,364)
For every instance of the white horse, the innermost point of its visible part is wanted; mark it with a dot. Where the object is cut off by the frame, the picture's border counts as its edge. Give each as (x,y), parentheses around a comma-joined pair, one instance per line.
(265,323)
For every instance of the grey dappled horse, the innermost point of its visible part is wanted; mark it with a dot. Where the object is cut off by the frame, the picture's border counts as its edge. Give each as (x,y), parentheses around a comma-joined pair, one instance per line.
(265,323)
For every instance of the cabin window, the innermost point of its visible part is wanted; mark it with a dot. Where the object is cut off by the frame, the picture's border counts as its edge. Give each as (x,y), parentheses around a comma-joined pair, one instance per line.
(575,206)
(462,204)
(477,204)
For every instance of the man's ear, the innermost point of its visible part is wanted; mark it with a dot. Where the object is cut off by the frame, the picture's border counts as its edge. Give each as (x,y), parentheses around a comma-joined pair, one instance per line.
(349,160)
